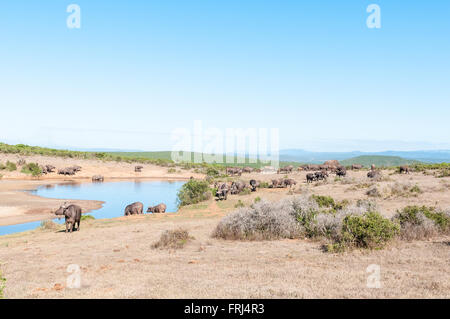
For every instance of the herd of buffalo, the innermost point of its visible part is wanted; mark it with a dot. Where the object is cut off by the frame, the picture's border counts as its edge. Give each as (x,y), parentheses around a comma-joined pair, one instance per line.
(72,213)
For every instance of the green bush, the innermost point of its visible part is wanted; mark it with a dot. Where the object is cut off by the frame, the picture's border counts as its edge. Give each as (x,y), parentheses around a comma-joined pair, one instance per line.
(2,167)
(87,217)
(422,222)
(10,166)
(370,230)
(411,215)
(193,192)
(211,171)
(264,185)
(257,199)
(324,201)
(239,204)
(33,169)
(329,204)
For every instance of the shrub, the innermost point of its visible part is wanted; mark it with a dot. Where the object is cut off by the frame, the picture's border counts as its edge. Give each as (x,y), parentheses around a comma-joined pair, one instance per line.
(33,169)
(373,192)
(329,204)
(239,204)
(211,171)
(171,170)
(87,217)
(10,167)
(193,192)
(421,222)
(370,230)
(173,239)
(2,167)
(324,201)
(263,221)
(415,189)
(49,225)
(264,185)
(415,215)
(257,199)
(245,191)
(297,217)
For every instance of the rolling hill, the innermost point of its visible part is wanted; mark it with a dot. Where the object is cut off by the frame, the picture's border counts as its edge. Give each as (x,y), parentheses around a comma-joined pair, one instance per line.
(378,160)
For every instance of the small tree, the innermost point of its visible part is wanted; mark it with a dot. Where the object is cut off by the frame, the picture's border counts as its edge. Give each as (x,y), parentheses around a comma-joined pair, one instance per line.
(193,192)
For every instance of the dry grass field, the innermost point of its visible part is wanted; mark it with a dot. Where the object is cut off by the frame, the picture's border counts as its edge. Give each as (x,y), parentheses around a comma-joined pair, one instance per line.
(117,258)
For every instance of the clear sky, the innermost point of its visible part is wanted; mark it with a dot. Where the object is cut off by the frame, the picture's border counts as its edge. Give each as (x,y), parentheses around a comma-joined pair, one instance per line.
(137,70)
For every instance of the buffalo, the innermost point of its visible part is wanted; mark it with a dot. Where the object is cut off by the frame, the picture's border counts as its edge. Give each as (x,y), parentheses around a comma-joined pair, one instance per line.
(341,171)
(404,169)
(67,171)
(310,177)
(98,178)
(233,171)
(289,182)
(72,214)
(254,184)
(356,166)
(138,168)
(134,209)
(247,170)
(287,169)
(237,187)
(161,208)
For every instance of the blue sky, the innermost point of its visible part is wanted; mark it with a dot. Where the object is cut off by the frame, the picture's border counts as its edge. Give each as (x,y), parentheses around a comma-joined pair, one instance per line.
(137,70)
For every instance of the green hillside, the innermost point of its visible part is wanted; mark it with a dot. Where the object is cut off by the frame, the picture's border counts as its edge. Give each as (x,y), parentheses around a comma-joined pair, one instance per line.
(159,158)
(379,161)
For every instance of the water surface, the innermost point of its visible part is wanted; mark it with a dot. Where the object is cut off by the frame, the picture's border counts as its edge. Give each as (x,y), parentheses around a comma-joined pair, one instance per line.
(116,195)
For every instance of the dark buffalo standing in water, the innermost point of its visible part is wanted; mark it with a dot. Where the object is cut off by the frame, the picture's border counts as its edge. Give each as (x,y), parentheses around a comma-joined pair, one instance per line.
(404,169)
(134,209)
(161,208)
(72,214)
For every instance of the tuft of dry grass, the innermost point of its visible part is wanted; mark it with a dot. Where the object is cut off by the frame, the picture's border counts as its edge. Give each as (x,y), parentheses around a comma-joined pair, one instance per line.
(49,225)
(173,239)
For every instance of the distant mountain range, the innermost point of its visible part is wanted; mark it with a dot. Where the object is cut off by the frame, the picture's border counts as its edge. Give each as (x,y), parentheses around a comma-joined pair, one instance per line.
(298,155)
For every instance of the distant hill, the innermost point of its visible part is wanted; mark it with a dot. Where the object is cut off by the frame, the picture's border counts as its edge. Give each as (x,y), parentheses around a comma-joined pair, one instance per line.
(379,161)
(298,155)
